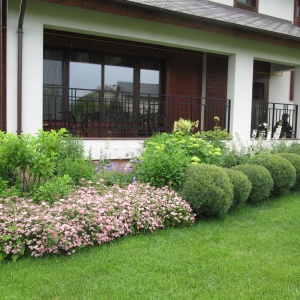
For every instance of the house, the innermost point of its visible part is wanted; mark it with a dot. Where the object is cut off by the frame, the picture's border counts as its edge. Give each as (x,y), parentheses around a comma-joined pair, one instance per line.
(237,59)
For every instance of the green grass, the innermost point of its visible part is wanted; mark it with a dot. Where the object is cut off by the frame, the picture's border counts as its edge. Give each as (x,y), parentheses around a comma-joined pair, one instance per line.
(253,253)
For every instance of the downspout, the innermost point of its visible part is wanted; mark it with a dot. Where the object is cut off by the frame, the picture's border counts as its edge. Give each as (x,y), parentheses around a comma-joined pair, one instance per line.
(1,65)
(20,64)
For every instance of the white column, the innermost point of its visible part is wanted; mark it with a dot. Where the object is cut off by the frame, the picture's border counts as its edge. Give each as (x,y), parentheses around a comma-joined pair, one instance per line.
(12,66)
(239,91)
(32,73)
(297,97)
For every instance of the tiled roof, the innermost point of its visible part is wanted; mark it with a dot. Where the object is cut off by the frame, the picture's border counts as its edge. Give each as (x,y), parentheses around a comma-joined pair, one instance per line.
(225,14)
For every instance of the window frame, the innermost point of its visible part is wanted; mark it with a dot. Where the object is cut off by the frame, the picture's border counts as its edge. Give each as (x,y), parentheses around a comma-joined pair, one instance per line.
(253,7)
(296,15)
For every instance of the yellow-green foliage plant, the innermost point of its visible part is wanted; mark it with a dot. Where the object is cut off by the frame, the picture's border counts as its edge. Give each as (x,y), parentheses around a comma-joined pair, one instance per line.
(166,156)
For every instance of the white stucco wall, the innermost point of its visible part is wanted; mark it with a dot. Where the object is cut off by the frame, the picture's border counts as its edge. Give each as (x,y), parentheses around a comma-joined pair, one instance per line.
(279,91)
(40,15)
(225,2)
(283,9)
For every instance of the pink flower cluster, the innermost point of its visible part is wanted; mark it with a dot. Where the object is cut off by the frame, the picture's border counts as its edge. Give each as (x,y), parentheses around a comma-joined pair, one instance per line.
(87,218)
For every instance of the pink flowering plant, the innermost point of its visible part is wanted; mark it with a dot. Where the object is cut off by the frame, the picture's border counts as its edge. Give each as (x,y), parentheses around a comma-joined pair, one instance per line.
(91,215)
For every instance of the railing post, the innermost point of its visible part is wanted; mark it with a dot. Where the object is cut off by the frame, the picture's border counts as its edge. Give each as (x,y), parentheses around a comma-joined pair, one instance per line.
(273,118)
(296,122)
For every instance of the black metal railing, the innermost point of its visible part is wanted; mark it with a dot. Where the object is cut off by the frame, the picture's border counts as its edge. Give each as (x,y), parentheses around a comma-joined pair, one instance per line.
(103,113)
(271,113)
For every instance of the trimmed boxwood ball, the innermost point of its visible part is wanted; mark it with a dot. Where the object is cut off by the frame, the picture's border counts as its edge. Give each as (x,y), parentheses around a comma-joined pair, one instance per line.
(281,170)
(294,159)
(261,181)
(207,188)
(241,186)
(294,148)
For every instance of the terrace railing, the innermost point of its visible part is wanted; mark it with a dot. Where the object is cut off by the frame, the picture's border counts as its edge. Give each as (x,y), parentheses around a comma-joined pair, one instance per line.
(98,113)
(271,113)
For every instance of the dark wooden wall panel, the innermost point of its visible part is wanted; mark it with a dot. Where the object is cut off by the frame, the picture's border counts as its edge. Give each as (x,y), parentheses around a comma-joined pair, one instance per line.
(216,88)
(216,76)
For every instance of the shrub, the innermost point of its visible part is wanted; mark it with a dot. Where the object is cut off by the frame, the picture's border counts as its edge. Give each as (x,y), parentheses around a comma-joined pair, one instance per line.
(241,186)
(162,166)
(185,126)
(207,188)
(294,148)
(281,170)
(294,159)
(217,135)
(53,189)
(77,169)
(261,181)
(86,218)
(166,157)
(112,173)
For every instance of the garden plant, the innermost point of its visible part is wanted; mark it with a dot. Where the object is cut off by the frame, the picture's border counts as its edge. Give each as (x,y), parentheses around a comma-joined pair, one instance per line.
(55,200)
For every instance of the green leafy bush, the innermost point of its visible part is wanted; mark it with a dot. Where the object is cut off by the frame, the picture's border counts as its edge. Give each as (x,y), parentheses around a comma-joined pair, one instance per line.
(166,157)
(207,188)
(261,181)
(77,169)
(28,161)
(217,135)
(241,186)
(281,170)
(53,190)
(162,166)
(294,159)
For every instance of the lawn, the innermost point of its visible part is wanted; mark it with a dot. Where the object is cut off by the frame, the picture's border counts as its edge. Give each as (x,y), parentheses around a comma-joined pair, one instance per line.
(252,253)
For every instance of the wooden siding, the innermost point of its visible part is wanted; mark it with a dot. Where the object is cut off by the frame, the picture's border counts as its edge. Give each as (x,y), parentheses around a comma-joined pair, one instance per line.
(216,87)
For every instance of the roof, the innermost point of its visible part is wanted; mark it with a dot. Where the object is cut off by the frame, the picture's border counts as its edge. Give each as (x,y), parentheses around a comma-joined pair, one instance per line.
(145,88)
(225,14)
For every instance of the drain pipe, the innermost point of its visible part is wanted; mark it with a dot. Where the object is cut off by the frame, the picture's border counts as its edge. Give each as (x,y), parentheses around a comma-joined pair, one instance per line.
(20,64)
(1,66)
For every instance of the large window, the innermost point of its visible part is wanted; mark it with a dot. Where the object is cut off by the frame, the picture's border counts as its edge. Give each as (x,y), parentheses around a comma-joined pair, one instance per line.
(78,84)
(247,4)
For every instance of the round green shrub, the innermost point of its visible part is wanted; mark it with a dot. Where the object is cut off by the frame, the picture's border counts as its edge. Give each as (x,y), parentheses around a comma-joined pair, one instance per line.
(281,170)
(294,148)
(261,181)
(241,186)
(294,159)
(207,188)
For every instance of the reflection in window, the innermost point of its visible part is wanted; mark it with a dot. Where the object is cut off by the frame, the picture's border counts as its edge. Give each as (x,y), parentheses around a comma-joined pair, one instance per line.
(85,83)
(149,89)
(52,79)
(247,2)
(118,88)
